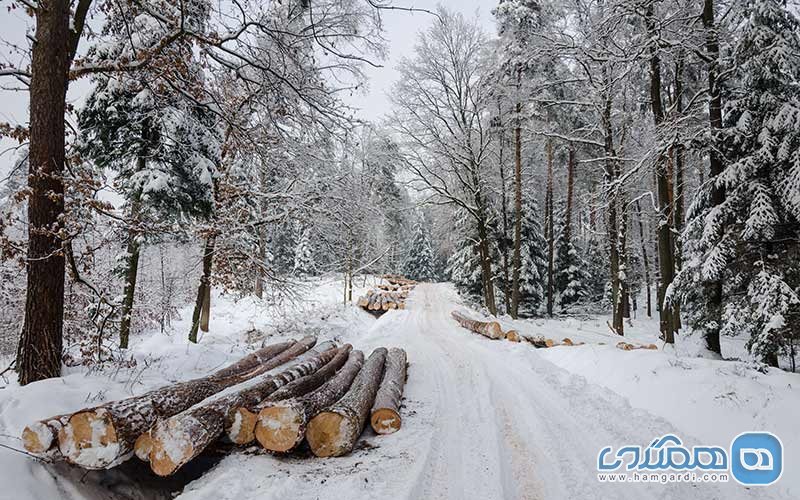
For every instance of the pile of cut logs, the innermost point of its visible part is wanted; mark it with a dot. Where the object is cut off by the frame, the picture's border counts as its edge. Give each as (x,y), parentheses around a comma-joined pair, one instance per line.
(493,330)
(389,295)
(277,396)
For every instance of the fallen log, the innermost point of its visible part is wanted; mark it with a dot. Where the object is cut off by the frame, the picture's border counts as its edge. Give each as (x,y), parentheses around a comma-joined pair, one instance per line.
(538,342)
(385,413)
(178,439)
(334,431)
(144,443)
(512,335)
(625,346)
(242,428)
(104,436)
(489,329)
(281,425)
(41,438)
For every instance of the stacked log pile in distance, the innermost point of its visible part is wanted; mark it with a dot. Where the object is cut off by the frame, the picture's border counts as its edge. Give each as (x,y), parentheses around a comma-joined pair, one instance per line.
(277,396)
(387,296)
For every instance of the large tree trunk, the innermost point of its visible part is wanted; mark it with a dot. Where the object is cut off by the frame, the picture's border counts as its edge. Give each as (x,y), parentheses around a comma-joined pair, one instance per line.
(202,305)
(515,292)
(491,329)
(39,351)
(242,429)
(610,178)
(104,436)
(645,258)
(550,230)
(507,279)
(281,426)
(178,439)
(713,292)
(486,267)
(334,432)
(666,247)
(385,413)
(624,284)
(570,194)
(131,271)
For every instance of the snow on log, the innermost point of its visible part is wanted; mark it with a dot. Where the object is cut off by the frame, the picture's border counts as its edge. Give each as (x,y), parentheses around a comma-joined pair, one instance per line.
(242,428)
(512,335)
(180,438)
(489,329)
(281,425)
(538,342)
(385,413)
(625,346)
(334,432)
(104,436)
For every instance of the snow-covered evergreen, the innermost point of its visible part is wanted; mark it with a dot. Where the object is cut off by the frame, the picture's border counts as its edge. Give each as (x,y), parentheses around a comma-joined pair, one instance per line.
(304,264)
(748,242)
(463,266)
(533,252)
(572,278)
(420,262)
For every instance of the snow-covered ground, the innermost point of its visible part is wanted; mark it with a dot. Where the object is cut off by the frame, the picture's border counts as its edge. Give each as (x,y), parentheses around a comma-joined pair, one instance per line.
(482,419)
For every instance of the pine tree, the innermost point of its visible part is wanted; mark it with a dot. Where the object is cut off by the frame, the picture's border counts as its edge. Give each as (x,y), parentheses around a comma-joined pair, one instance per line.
(572,279)
(748,241)
(464,266)
(598,283)
(304,264)
(533,269)
(420,263)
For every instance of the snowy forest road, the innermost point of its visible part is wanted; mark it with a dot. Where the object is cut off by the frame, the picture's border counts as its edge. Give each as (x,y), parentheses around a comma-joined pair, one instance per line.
(482,420)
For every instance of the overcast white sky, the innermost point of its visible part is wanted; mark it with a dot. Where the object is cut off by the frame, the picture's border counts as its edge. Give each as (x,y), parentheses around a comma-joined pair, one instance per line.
(400,32)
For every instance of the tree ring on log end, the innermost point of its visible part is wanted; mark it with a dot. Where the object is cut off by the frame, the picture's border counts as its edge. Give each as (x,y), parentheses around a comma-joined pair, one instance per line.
(279,428)
(385,421)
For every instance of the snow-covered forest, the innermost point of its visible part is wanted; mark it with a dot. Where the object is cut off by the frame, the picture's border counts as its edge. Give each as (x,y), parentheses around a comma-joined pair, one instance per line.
(614,170)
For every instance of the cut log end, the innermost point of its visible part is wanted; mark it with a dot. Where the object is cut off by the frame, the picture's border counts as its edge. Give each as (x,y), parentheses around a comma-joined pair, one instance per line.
(512,335)
(143,446)
(243,429)
(326,434)
(37,438)
(170,450)
(90,440)
(385,421)
(279,428)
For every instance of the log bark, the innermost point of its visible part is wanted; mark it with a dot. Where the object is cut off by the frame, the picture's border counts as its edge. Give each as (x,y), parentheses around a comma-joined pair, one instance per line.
(281,426)
(242,429)
(178,439)
(489,329)
(104,436)
(334,432)
(385,413)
